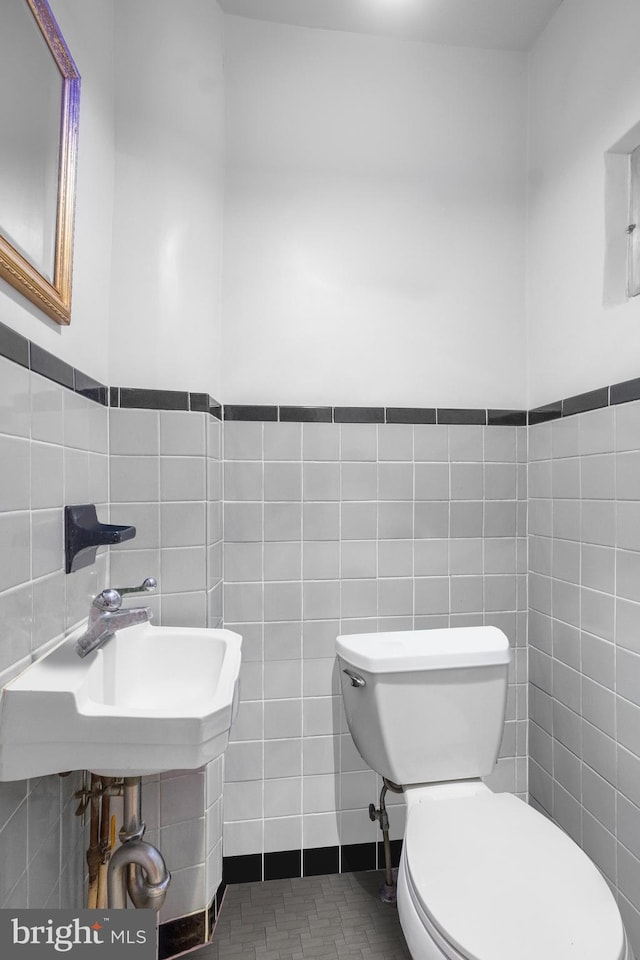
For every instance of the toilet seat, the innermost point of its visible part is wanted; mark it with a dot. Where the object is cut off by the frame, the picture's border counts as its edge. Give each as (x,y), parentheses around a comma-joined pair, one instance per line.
(492,879)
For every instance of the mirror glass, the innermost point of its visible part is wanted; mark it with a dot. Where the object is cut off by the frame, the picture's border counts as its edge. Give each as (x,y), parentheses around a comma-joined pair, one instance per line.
(38,120)
(30,142)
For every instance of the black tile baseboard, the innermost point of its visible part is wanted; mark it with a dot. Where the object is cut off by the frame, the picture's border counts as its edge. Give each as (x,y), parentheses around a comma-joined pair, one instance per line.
(319,861)
(283,864)
(355,857)
(316,861)
(185,933)
(242,869)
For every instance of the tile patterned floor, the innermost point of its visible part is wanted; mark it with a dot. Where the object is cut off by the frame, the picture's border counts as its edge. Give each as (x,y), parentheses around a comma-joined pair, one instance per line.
(315,918)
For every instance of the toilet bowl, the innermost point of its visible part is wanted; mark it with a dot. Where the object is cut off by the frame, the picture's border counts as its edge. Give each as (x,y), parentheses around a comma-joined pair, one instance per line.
(483,876)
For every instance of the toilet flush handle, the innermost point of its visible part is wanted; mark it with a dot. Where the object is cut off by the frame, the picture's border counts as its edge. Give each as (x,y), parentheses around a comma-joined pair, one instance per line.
(356,681)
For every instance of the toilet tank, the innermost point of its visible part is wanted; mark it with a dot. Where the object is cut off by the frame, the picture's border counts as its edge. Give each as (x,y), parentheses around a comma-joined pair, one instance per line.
(426,705)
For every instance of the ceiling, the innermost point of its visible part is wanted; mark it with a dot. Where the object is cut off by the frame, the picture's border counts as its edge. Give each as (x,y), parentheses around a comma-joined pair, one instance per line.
(497,24)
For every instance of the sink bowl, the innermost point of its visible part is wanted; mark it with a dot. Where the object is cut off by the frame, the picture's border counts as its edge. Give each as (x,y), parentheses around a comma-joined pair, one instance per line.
(151,699)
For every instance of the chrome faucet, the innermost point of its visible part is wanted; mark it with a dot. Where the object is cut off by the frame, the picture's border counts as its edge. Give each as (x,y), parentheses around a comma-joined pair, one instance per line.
(106,616)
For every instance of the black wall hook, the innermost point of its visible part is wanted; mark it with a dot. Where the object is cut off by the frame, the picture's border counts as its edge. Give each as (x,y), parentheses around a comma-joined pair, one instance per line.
(83,534)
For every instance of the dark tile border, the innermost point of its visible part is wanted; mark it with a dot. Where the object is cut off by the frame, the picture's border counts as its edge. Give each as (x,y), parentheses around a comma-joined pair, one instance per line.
(13,346)
(237,411)
(411,414)
(140,399)
(550,411)
(306,414)
(403,415)
(462,416)
(625,392)
(90,388)
(358,414)
(506,418)
(44,363)
(585,401)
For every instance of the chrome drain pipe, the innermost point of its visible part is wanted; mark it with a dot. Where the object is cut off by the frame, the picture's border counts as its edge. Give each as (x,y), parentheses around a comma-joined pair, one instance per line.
(136,867)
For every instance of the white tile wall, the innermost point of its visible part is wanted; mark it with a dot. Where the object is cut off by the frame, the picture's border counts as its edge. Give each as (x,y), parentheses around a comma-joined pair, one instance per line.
(584,557)
(333,528)
(53,449)
(164,477)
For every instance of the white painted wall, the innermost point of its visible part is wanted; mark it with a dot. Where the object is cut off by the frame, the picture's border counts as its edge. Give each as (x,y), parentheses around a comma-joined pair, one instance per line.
(374,214)
(165,292)
(88,29)
(584,97)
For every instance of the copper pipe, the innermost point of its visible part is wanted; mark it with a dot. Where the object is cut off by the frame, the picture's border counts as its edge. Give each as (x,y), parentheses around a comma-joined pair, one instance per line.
(93,853)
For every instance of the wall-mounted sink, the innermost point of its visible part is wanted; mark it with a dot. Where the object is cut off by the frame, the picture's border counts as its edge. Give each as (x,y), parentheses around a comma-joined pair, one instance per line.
(151,699)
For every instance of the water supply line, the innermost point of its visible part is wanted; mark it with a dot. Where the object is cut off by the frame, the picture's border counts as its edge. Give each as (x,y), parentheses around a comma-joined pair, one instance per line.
(136,867)
(388,888)
(93,851)
(105,840)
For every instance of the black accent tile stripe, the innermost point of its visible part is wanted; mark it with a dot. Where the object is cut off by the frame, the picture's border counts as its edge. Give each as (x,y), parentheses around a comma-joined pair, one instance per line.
(306,414)
(585,401)
(237,411)
(180,935)
(358,414)
(358,856)
(625,392)
(51,367)
(114,396)
(283,864)
(13,346)
(410,415)
(461,416)
(200,402)
(319,861)
(216,410)
(88,387)
(133,397)
(244,869)
(550,411)
(507,418)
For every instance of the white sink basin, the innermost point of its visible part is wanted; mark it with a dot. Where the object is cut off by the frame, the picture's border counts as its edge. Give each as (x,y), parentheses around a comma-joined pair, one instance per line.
(151,699)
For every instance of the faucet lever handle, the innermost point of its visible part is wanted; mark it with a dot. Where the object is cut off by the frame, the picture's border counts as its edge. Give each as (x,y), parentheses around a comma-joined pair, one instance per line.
(147,586)
(108,600)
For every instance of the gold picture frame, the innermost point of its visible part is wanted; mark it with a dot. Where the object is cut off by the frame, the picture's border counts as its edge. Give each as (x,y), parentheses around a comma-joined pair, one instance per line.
(53,296)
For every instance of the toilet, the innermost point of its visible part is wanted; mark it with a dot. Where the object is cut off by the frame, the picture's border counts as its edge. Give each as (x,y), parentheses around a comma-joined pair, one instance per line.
(483,876)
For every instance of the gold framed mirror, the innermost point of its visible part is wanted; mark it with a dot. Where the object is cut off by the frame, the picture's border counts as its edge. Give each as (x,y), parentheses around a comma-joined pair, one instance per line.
(38,154)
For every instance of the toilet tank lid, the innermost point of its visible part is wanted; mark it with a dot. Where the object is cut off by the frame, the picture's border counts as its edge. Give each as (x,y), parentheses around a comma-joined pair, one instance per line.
(442,649)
